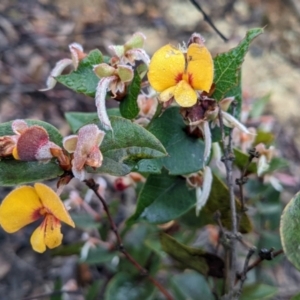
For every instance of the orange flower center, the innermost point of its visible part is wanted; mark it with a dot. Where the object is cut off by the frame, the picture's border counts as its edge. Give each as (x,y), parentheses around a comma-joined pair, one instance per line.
(187,77)
(41,212)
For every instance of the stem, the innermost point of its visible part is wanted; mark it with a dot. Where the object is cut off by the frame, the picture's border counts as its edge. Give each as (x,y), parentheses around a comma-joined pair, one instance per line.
(269,255)
(208,20)
(243,275)
(94,186)
(242,180)
(228,161)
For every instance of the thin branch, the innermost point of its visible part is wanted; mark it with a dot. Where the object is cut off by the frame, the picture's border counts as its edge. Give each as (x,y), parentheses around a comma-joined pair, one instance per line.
(244,273)
(209,21)
(243,179)
(264,254)
(228,161)
(94,186)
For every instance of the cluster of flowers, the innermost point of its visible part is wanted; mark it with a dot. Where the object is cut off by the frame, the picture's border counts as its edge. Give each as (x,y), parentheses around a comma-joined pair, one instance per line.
(184,75)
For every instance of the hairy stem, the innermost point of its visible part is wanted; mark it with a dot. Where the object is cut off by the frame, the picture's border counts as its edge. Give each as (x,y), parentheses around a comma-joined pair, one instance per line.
(94,186)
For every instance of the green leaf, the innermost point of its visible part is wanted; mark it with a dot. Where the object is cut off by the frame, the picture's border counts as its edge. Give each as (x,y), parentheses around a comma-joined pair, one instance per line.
(290,230)
(218,200)
(193,258)
(98,255)
(124,286)
(277,163)
(191,285)
(241,160)
(94,289)
(185,153)
(15,172)
(78,119)
(83,80)
(258,107)
(67,250)
(57,288)
(127,144)
(296,297)
(84,221)
(162,199)
(124,146)
(227,65)
(264,137)
(128,106)
(258,291)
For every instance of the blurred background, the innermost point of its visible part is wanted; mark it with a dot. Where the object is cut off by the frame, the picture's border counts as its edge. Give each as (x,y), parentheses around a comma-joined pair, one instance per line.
(34,35)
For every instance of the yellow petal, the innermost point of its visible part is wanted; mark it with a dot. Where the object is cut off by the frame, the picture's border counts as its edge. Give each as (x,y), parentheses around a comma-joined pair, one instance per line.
(167,64)
(167,94)
(15,154)
(53,204)
(200,67)
(19,208)
(47,234)
(37,239)
(53,236)
(184,95)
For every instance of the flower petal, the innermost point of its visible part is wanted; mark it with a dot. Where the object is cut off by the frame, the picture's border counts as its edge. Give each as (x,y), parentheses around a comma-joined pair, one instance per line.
(136,41)
(76,53)
(19,208)
(30,141)
(125,73)
(262,165)
(117,50)
(167,94)
(53,235)
(104,70)
(19,126)
(207,141)
(203,195)
(57,70)
(47,234)
(200,67)
(138,54)
(184,95)
(52,203)
(101,91)
(231,122)
(70,143)
(37,239)
(166,65)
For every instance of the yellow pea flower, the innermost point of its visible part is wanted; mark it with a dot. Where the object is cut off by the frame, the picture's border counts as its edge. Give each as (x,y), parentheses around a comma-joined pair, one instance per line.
(27,204)
(173,73)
